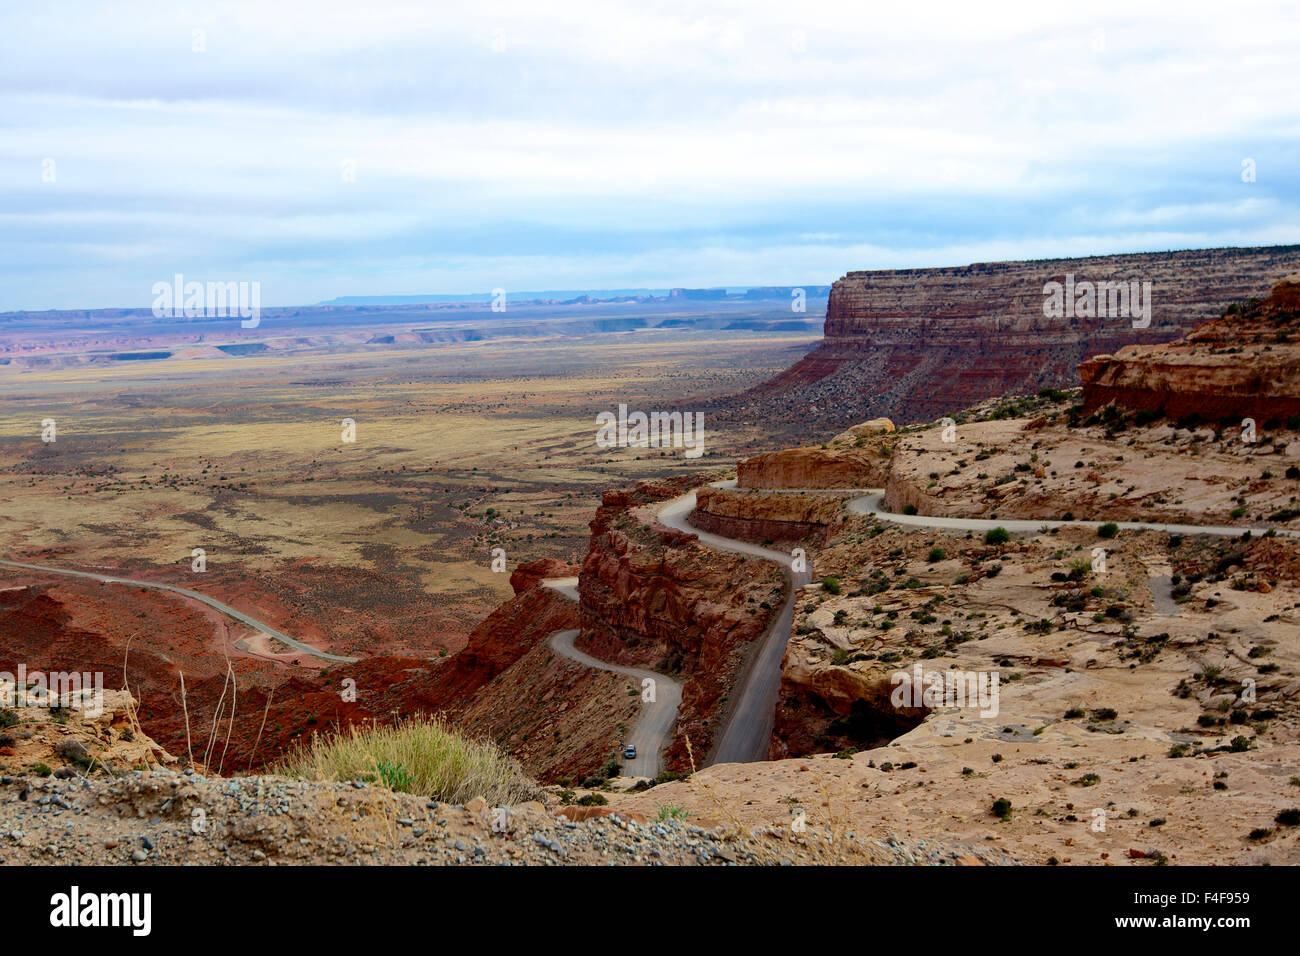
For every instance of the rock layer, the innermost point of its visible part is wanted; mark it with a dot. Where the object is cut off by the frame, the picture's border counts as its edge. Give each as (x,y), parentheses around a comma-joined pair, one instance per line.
(654,597)
(916,344)
(757,517)
(857,458)
(1243,364)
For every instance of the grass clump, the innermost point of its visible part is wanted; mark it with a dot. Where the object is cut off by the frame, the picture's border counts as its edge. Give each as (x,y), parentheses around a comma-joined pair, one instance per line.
(421,755)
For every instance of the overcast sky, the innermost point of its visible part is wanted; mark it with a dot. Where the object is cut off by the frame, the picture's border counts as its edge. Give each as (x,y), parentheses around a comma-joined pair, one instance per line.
(563,145)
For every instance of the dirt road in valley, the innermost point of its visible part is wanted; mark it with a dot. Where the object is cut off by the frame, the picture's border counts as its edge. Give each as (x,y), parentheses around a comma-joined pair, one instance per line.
(203,598)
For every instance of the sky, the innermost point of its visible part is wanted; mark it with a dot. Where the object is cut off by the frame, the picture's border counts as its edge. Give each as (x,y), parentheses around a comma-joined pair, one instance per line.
(327,148)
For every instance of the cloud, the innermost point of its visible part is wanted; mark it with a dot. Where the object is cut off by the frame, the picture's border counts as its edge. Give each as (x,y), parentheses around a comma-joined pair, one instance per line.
(620,143)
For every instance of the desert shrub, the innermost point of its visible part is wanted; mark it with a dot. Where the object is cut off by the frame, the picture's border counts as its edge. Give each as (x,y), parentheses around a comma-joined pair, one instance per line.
(421,755)
(937,554)
(997,535)
(1002,808)
(1108,530)
(831,585)
(592,800)
(74,751)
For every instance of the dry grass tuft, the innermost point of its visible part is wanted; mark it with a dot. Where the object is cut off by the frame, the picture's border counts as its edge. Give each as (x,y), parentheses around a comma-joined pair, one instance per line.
(422,755)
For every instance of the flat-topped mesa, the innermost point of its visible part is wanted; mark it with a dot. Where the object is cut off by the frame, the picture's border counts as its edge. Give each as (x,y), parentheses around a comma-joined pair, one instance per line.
(1243,364)
(917,344)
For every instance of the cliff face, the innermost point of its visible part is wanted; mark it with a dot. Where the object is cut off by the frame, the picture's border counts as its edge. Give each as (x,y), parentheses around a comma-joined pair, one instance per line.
(857,458)
(917,344)
(757,517)
(1244,364)
(654,597)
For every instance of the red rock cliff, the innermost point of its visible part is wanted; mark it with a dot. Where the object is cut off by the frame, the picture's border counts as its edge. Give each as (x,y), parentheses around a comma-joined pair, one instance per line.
(654,597)
(916,344)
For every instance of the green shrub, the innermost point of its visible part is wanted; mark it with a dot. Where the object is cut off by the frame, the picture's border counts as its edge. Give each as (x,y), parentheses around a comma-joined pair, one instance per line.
(997,535)
(671,811)
(421,755)
(1108,530)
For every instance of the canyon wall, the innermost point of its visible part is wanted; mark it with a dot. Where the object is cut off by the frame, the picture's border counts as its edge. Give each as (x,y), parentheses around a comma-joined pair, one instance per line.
(917,344)
(767,518)
(653,597)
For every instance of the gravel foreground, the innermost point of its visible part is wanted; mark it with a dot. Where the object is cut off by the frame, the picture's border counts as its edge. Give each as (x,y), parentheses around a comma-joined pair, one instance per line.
(169,818)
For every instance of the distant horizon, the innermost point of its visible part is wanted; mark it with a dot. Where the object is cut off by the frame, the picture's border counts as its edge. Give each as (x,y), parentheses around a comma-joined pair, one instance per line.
(397,299)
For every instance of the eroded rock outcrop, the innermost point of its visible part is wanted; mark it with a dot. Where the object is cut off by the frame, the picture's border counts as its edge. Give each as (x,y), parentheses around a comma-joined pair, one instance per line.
(91,730)
(1243,364)
(856,458)
(758,517)
(917,344)
(531,573)
(654,597)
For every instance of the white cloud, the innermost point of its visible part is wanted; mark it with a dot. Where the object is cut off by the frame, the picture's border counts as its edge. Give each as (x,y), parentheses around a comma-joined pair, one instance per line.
(692,137)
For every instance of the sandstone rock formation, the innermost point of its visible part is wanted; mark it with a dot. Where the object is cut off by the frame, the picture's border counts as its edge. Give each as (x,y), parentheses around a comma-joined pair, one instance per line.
(1243,364)
(654,597)
(531,573)
(758,517)
(87,733)
(916,344)
(856,458)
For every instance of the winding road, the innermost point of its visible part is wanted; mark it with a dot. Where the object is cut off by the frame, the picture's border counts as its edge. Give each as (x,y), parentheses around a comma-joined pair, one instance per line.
(747,727)
(225,609)
(654,726)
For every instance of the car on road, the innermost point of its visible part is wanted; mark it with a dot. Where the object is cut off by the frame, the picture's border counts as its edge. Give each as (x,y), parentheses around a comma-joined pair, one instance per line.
(629,752)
